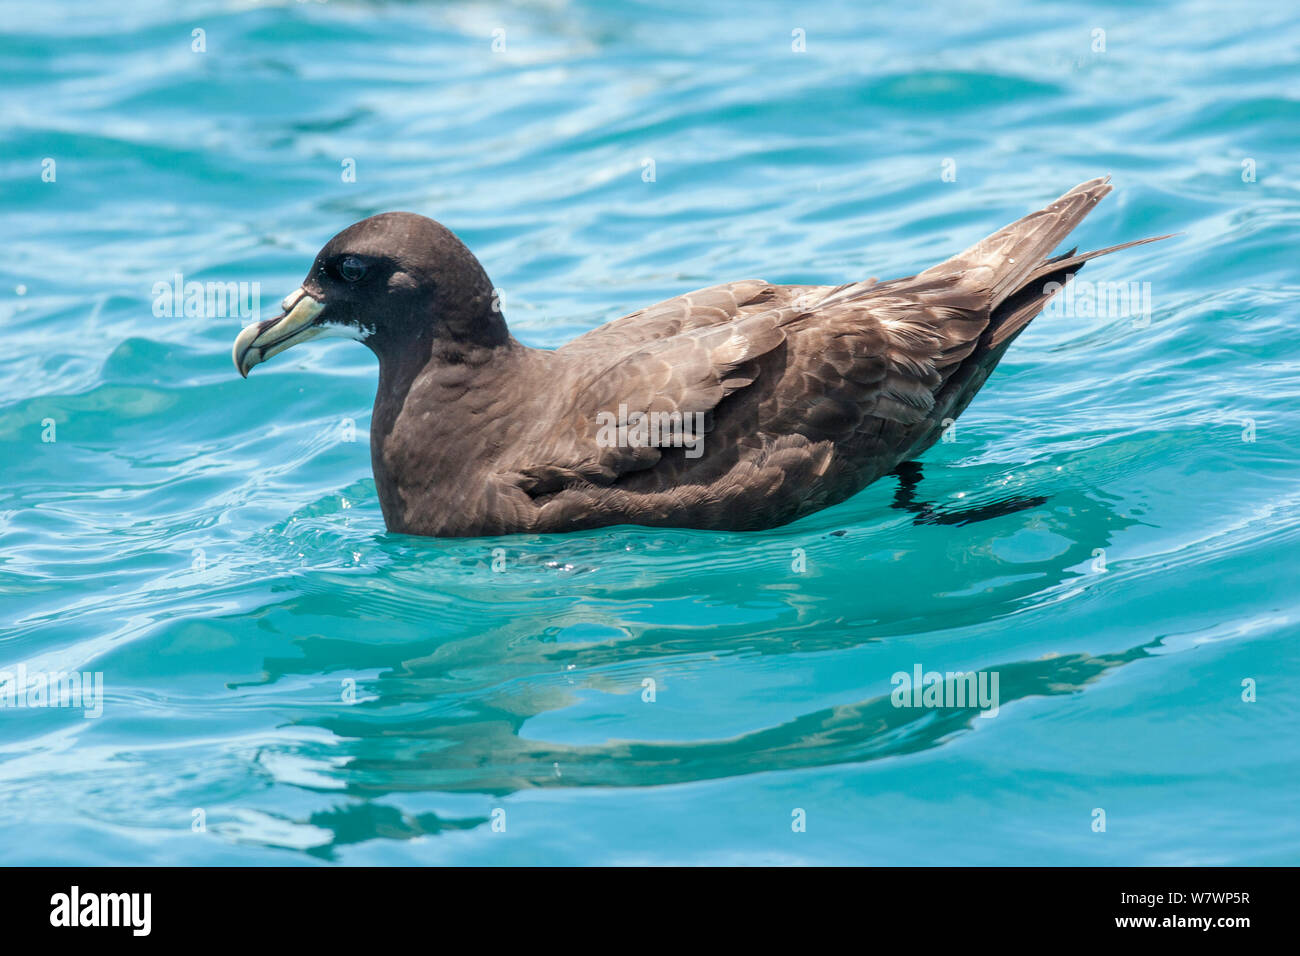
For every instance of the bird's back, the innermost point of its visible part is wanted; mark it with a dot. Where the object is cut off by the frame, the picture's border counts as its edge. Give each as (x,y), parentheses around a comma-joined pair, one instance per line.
(805,394)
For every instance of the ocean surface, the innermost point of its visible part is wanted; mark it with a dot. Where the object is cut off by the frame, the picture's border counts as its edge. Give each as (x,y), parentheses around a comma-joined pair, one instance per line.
(275,679)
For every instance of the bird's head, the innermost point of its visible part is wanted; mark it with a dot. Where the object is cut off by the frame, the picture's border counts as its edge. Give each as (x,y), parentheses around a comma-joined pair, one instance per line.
(399,282)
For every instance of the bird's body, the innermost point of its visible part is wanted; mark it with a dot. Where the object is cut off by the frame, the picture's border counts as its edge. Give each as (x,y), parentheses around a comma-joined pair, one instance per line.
(742,406)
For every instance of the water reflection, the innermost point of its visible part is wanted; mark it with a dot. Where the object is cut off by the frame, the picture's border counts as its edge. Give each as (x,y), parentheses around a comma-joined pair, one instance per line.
(447,713)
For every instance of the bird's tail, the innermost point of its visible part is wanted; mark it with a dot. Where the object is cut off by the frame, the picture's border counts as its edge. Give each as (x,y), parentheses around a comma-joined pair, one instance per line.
(1011,269)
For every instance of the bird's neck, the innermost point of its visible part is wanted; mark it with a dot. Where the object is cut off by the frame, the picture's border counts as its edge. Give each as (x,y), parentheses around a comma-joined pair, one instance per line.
(446,373)
(438,415)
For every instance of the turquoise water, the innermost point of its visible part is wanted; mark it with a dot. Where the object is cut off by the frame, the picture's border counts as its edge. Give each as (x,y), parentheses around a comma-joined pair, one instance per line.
(285,683)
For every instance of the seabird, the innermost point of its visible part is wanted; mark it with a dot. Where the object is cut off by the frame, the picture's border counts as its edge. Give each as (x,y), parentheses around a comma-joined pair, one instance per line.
(738,407)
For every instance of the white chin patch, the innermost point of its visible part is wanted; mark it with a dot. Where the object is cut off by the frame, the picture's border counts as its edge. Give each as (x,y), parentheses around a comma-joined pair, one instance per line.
(337,330)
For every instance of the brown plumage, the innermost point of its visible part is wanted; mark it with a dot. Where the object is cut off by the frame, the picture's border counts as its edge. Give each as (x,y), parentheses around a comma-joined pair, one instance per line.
(791,398)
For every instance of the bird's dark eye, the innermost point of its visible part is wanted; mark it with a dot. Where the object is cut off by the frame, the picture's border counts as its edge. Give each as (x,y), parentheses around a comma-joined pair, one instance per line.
(351,268)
